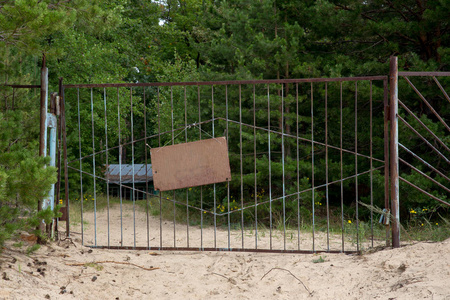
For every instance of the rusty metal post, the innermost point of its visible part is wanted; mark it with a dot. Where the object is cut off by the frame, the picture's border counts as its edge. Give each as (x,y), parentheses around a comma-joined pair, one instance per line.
(58,155)
(43,119)
(43,127)
(386,159)
(66,170)
(393,83)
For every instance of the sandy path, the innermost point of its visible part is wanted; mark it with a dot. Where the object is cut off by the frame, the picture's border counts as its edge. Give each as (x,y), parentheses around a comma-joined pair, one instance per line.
(68,270)
(420,271)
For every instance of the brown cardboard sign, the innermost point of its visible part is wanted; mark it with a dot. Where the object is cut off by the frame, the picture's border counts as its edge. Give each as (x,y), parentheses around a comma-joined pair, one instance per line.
(190,164)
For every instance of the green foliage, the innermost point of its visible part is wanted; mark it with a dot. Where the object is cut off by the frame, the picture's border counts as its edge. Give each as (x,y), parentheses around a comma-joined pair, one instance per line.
(23,178)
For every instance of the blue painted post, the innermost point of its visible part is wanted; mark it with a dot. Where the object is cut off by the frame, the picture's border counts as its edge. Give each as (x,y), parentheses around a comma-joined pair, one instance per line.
(51,123)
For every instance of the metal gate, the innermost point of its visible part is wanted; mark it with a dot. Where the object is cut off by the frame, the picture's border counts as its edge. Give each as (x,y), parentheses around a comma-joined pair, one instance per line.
(300,151)
(283,138)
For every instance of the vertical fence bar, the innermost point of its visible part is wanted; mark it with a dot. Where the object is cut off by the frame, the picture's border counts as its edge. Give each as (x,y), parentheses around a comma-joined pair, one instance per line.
(147,201)
(393,76)
(133,192)
(386,153)
(187,190)
(81,167)
(241,165)
(254,167)
(228,182)
(107,179)
(298,167)
(342,169)
(214,185)
(326,167)
(312,167)
(356,166)
(93,163)
(120,167)
(173,143)
(66,166)
(270,164)
(201,187)
(282,166)
(160,193)
(371,163)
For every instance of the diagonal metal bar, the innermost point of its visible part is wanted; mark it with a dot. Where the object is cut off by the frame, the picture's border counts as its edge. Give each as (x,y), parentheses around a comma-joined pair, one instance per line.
(423,139)
(425,175)
(423,161)
(424,192)
(427,103)
(442,89)
(303,139)
(424,126)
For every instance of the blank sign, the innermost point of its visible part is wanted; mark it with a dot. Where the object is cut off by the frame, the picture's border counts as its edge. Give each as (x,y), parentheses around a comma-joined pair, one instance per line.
(190,164)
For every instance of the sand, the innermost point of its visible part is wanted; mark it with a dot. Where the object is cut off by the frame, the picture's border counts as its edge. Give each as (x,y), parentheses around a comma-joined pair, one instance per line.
(67,270)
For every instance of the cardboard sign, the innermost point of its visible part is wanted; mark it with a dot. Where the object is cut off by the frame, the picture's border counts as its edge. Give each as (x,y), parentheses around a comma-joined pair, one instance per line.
(190,164)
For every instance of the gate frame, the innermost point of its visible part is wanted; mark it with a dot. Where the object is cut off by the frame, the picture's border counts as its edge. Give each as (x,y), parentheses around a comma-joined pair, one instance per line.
(213,83)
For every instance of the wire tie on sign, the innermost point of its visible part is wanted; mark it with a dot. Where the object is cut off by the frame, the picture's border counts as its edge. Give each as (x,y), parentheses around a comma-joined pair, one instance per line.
(189,126)
(198,125)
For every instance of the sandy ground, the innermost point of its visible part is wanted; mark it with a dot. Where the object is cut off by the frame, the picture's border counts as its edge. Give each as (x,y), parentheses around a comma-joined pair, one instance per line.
(68,270)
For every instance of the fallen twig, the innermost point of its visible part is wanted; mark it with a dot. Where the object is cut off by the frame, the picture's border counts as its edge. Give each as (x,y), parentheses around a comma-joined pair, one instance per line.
(231,280)
(221,275)
(112,262)
(310,293)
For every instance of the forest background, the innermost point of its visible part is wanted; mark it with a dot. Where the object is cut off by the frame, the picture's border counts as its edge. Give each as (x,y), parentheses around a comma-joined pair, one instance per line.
(197,40)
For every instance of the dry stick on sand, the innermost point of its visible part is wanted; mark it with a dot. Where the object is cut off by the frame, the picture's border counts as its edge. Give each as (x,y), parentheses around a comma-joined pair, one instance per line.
(112,262)
(310,293)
